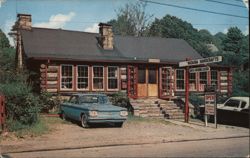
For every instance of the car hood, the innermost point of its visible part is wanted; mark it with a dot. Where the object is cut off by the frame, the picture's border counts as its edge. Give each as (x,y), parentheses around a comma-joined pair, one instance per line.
(104,107)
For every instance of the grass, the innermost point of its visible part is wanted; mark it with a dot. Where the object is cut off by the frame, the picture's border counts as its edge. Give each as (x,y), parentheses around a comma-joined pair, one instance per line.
(138,119)
(43,126)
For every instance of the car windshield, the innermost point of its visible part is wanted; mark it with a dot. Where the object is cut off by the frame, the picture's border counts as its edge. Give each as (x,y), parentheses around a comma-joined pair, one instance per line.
(94,99)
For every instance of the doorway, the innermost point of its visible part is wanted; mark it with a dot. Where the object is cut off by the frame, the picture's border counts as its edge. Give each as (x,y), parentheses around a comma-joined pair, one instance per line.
(147,81)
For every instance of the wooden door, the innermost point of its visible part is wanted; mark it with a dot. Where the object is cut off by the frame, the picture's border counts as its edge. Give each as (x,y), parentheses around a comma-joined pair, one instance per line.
(152,75)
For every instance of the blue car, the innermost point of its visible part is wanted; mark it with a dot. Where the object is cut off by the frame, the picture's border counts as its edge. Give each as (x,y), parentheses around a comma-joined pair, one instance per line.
(92,108)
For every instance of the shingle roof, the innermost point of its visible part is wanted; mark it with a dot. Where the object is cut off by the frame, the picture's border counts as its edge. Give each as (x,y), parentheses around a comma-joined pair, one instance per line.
(75,45)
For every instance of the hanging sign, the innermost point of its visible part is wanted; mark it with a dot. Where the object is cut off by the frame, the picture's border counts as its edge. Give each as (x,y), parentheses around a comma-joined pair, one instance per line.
(208,60)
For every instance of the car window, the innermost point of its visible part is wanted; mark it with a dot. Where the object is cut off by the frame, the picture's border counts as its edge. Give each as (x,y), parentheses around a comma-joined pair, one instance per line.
(73,99)
(243,104)
(89,99)
(103,100)
(233,103)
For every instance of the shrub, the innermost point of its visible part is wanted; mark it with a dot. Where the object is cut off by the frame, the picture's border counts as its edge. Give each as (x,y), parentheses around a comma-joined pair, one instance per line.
(120,99)
(48,102)
(22,106)
(197,101)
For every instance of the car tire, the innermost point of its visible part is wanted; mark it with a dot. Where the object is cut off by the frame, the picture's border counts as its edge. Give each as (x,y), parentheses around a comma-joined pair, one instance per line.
(84,122)
(119,124)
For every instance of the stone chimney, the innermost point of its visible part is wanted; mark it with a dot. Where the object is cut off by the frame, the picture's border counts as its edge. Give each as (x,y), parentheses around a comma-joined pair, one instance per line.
(107,38)
(24,21)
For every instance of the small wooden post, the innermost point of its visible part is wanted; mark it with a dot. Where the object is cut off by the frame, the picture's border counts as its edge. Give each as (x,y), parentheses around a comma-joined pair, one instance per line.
(187,94)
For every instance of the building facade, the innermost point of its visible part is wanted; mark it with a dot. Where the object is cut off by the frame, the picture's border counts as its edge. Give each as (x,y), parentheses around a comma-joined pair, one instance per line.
(72,61)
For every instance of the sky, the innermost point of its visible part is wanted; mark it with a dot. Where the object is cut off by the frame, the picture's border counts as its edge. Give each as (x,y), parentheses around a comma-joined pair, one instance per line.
(84,15)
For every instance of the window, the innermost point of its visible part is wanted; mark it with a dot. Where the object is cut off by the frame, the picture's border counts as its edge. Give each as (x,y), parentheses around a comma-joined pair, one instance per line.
(180,80)
(141,74)
(243,104)
(74,100)
(82,77)
(214,78)
(112,77)
(192,81)
(152,75)
(233,103)
(66,76)
(203,78)
(98,77)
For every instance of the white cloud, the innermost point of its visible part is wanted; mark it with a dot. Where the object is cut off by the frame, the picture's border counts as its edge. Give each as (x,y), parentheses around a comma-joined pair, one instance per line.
(1,2)
(94,28)
(225,30)
(246,32)
(56,21)
(6,29)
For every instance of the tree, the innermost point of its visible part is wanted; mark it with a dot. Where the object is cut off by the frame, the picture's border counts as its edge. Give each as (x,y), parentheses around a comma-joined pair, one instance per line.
(4,42)
(173,27)
(233,40)
(131,20)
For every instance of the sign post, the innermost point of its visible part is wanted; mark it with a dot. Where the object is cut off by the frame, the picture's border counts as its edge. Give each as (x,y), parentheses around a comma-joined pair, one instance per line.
(187,95)
(196,62)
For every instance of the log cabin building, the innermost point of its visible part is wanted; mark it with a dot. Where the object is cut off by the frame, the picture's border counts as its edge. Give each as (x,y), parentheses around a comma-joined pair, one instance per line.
(73,61)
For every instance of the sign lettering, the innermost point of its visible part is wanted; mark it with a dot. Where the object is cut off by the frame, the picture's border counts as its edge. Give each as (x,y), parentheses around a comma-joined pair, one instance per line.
(201,61)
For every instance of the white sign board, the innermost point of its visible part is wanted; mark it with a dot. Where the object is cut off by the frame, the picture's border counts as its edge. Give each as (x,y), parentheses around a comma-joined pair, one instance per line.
(201,61)
(210,104)
(199,69)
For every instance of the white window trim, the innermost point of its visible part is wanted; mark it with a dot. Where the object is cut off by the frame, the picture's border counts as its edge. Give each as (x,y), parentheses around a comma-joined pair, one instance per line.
(66,89)
(117,79)
(93,78)
(176,80)
(195,83)
(82,89)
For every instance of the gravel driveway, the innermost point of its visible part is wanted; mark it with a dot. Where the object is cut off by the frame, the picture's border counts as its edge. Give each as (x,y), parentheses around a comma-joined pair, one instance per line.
(70,135)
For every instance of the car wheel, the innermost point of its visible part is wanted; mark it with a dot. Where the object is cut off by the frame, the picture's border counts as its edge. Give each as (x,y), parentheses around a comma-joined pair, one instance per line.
(84,122)
(119,124)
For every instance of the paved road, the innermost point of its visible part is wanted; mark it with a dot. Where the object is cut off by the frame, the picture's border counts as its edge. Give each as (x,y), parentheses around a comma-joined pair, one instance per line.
(233,147)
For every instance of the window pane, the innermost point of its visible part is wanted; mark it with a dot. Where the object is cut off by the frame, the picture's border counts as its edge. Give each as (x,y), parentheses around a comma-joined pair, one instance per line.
(98,77)
(152,75)
(141,74)
(98,83)
(82,83)
(98,71)
(180,82)
(112,84)
(232,103)
(82,80)
(66,76)
(112,78)
(203,77)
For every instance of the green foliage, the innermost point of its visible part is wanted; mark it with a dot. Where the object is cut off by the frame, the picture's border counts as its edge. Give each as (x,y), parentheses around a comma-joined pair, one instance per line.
(48,102)
(233,40)
(241,83)
(131,20)
(120,99)
(21,106)
(4,42)
(173,27)
(197,101)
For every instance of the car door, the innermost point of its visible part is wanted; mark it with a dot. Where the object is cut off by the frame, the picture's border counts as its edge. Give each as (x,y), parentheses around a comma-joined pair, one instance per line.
(71,105)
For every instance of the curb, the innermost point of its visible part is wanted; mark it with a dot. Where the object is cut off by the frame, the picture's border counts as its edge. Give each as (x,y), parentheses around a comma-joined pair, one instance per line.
(125,144)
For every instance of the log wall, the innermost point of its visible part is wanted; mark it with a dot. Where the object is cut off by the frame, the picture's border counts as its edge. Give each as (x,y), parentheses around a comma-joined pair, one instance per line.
(49,75)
